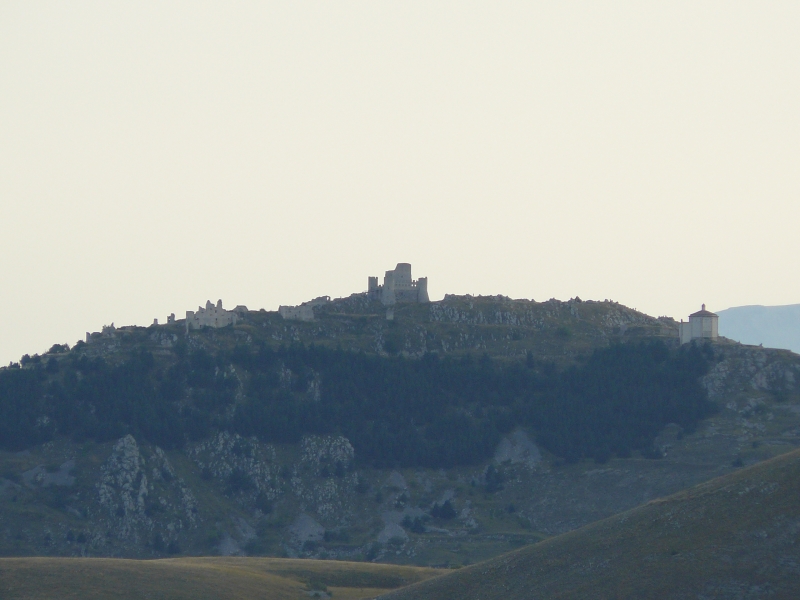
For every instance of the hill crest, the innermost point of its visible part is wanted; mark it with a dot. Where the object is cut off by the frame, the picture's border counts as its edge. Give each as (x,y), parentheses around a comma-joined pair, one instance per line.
(734,536)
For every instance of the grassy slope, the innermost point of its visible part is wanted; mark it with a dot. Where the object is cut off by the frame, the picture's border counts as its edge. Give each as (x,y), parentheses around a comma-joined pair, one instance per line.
(737,536)
(197,578)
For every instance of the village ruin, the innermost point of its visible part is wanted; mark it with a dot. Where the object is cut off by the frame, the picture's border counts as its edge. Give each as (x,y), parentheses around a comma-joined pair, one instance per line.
(212,316)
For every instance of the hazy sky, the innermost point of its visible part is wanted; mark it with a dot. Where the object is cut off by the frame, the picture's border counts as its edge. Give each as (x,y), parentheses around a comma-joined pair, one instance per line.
(154,155)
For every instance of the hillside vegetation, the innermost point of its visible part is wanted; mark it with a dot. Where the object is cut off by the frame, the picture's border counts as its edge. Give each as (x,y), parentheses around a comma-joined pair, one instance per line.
(737,536)
(450,434)
(398,411)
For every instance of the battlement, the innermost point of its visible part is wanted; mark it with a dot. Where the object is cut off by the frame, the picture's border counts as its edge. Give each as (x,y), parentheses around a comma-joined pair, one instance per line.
(398,286)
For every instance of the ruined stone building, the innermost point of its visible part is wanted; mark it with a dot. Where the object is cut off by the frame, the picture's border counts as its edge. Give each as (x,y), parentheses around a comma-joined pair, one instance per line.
(210,316)
(398,286)
(702,325)
(304,312)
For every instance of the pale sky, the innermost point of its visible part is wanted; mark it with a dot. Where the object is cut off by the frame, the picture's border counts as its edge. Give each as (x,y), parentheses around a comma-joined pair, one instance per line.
(154,155)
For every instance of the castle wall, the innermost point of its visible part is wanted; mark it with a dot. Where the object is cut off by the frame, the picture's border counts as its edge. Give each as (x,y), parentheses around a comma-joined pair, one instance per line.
(406,294)
(422,290)
(387,293)
(685,332)
(210,316)
(402,275)
(398,286)
(304,312)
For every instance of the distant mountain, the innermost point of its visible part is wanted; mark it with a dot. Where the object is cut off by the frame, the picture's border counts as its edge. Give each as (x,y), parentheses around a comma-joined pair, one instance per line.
(731,537)
(772,326)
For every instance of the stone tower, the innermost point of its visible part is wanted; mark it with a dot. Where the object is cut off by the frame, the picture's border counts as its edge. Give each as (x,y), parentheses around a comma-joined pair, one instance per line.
(398,286)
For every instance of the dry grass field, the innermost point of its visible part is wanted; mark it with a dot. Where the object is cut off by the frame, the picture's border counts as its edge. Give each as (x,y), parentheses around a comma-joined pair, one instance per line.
(199,578)
(736,536)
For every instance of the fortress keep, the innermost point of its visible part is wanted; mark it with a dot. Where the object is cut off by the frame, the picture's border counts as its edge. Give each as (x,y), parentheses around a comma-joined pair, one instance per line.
(398,287)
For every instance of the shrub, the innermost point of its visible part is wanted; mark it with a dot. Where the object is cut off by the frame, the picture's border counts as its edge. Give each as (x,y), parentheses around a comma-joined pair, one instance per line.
(415,525)
(444,511)
(494,479)
(239,481)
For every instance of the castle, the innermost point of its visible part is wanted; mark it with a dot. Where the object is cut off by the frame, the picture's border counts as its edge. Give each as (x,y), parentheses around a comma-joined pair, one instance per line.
(211,316)
(702,325)
(398,287)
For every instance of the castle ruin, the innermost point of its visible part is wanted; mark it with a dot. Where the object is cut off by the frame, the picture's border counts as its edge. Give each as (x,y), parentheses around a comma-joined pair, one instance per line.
(210,316)
(398,287)
(304,312)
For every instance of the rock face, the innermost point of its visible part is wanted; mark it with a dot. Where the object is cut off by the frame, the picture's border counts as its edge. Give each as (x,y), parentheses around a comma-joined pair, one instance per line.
(246,465)
(306,529)
(139,509)
(753,368)
(123,488)
(518,448)
(394,533)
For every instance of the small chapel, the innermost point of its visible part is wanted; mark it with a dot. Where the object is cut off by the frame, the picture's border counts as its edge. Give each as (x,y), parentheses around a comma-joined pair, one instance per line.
(703,324)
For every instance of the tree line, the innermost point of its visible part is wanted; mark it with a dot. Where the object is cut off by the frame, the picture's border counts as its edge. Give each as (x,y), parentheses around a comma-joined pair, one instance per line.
(397,412)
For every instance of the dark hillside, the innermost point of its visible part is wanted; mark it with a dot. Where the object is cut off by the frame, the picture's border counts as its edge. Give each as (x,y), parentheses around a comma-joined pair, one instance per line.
(396,411)
(733,537)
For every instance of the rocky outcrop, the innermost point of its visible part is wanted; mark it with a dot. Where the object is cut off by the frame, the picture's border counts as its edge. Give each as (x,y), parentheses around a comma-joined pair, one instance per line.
(741,368)
(139,507)
(123,488)
(517,448)
(329,460)
(245,464)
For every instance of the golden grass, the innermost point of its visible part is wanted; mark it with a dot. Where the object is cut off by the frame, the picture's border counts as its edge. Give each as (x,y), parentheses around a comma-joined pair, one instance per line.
(230,578)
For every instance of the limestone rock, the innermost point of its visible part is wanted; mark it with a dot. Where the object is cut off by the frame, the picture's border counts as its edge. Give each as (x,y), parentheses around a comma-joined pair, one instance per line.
(518,449)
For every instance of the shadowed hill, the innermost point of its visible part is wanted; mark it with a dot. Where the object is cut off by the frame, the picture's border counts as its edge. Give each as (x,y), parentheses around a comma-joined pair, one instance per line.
(198,578)
(737,536)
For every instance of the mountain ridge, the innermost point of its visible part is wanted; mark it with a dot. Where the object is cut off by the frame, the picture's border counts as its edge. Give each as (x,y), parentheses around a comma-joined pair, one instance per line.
(772,326)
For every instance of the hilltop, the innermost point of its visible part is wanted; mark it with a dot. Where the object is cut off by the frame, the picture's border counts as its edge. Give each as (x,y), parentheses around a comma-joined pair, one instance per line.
(732,537)
(442,436)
